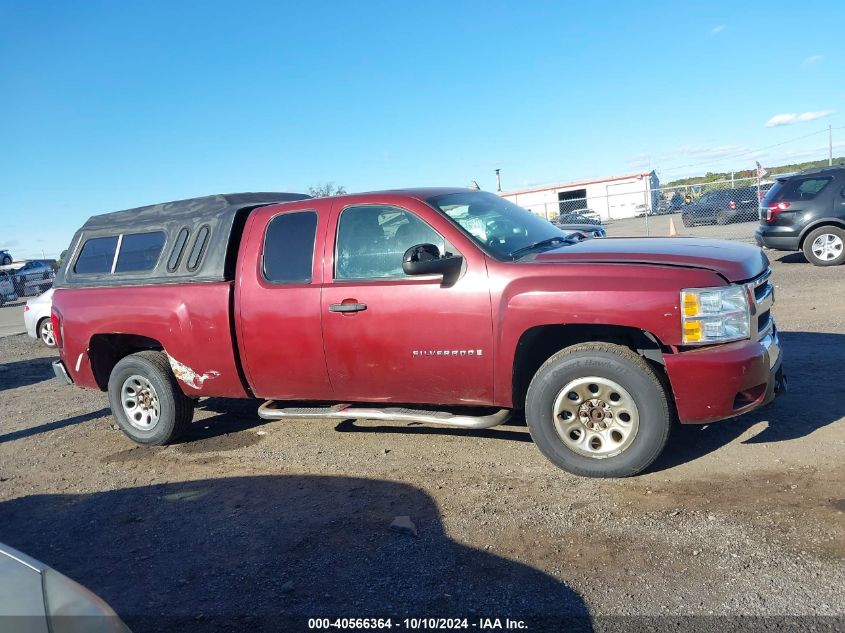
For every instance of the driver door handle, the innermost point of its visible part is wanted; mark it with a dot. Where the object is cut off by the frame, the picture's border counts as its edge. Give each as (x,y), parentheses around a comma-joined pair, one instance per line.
(347,307)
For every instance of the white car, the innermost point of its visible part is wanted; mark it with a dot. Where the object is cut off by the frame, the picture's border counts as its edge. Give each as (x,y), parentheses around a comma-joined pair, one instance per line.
(36,317)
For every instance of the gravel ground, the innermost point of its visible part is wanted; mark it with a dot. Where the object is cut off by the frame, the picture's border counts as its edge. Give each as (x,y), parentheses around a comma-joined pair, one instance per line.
(247,523)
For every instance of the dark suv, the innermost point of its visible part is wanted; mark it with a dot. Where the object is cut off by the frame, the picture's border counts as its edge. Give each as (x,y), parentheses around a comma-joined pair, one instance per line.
(722,206)
(806,211)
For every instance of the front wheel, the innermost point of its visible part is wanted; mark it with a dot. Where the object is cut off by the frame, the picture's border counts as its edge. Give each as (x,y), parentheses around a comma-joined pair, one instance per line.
(722,217)
(146,401)
(825,246)
(598,410)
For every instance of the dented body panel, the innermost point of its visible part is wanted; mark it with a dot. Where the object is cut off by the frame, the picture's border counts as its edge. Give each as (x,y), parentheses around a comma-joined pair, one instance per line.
(191,321)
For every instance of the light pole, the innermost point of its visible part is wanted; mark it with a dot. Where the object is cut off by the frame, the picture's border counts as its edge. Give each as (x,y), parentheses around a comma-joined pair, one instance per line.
(498,180)
(829,145)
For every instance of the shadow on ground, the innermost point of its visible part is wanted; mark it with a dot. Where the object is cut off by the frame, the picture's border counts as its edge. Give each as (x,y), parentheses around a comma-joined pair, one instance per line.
(266,553)
(22,373)
(793,258)
(53,426)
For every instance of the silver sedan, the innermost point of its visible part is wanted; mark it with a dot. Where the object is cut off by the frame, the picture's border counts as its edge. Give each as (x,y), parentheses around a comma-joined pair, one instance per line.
(38,599)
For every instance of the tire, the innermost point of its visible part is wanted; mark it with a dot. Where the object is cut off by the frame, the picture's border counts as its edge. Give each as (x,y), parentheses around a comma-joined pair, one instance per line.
(722,217)
(825,246)
(614,368)
(687,222)
(45,332)
(7,260)
(153,426)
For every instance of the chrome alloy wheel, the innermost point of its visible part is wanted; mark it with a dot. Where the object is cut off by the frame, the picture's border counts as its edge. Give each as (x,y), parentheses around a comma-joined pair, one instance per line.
(47,336)
(140,402)
(596,417)
(827,246)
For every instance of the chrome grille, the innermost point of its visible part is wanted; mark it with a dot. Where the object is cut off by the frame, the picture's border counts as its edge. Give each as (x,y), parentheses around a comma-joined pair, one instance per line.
(762,294)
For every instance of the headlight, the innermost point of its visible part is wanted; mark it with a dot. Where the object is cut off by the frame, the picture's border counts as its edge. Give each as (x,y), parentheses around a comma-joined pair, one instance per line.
(714,315)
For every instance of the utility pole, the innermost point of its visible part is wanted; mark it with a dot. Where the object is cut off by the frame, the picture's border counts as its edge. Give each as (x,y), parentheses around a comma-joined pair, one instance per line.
(732,180)
(498,180)
(829,145)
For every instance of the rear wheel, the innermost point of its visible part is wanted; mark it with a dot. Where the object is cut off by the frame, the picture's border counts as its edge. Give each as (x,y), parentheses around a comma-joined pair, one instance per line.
(722,217)
(825,246)
(45,332)
(598,410)
(6,260)
(146,401)
(687,221)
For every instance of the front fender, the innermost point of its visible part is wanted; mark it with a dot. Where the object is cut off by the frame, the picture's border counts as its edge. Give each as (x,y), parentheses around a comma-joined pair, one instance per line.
(643,297)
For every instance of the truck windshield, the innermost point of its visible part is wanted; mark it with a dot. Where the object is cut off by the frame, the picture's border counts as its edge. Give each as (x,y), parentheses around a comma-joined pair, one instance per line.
(504,229)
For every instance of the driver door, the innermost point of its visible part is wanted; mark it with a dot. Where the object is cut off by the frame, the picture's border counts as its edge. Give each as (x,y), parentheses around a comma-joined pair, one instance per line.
(390,337)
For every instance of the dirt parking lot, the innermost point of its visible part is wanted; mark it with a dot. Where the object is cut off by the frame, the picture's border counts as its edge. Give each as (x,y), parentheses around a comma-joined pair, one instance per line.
(250,525)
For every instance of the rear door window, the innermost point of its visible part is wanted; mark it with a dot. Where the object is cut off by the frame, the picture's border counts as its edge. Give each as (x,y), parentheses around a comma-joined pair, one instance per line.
(97,256)
(798,189)
(139,252)
(289,248)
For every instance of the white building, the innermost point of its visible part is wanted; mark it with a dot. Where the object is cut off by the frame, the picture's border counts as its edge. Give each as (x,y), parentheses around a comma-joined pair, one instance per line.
(612,198)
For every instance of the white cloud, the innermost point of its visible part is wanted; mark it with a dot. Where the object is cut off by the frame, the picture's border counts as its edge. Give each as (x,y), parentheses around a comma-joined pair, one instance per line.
(639,161)
(717,29)
(812,59)
(718,151)
(812,153)
(790,117)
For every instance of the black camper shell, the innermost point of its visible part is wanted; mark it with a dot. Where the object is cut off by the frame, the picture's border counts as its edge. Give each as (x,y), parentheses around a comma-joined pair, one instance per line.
(185,241)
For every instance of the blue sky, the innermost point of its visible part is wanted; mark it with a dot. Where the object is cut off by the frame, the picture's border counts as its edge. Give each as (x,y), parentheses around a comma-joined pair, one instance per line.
(109,105)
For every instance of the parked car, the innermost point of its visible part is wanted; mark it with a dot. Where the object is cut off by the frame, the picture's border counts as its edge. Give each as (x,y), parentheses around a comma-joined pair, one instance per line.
(7,288)
(35,597)
(30,276)
(578,216)
(5,258)
(670,204)
(36,317)
(582,231)
(806,212)
(456,301)
(723,206)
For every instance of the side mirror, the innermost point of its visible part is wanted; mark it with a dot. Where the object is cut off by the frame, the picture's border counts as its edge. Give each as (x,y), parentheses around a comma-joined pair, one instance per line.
(425,259)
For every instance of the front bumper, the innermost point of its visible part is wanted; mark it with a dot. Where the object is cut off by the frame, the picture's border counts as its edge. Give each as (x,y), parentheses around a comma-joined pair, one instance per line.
(722,381)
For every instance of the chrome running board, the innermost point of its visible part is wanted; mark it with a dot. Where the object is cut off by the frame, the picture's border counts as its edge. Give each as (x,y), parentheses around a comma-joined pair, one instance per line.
(271,410)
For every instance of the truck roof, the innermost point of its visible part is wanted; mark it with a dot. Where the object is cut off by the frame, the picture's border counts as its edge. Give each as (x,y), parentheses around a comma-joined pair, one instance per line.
(208,223)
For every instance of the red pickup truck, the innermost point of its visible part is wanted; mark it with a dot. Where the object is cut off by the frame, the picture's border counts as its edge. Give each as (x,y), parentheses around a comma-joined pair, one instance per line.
(439,306)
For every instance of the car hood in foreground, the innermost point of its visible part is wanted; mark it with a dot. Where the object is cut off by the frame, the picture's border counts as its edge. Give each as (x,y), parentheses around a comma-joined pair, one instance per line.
(734,261)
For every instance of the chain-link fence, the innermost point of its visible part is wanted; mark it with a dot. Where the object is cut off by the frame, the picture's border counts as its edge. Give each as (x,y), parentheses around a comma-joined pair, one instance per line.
(726,209)
(27,279)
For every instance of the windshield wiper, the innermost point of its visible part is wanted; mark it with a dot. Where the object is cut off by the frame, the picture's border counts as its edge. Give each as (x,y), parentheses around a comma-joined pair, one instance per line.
(547,242)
